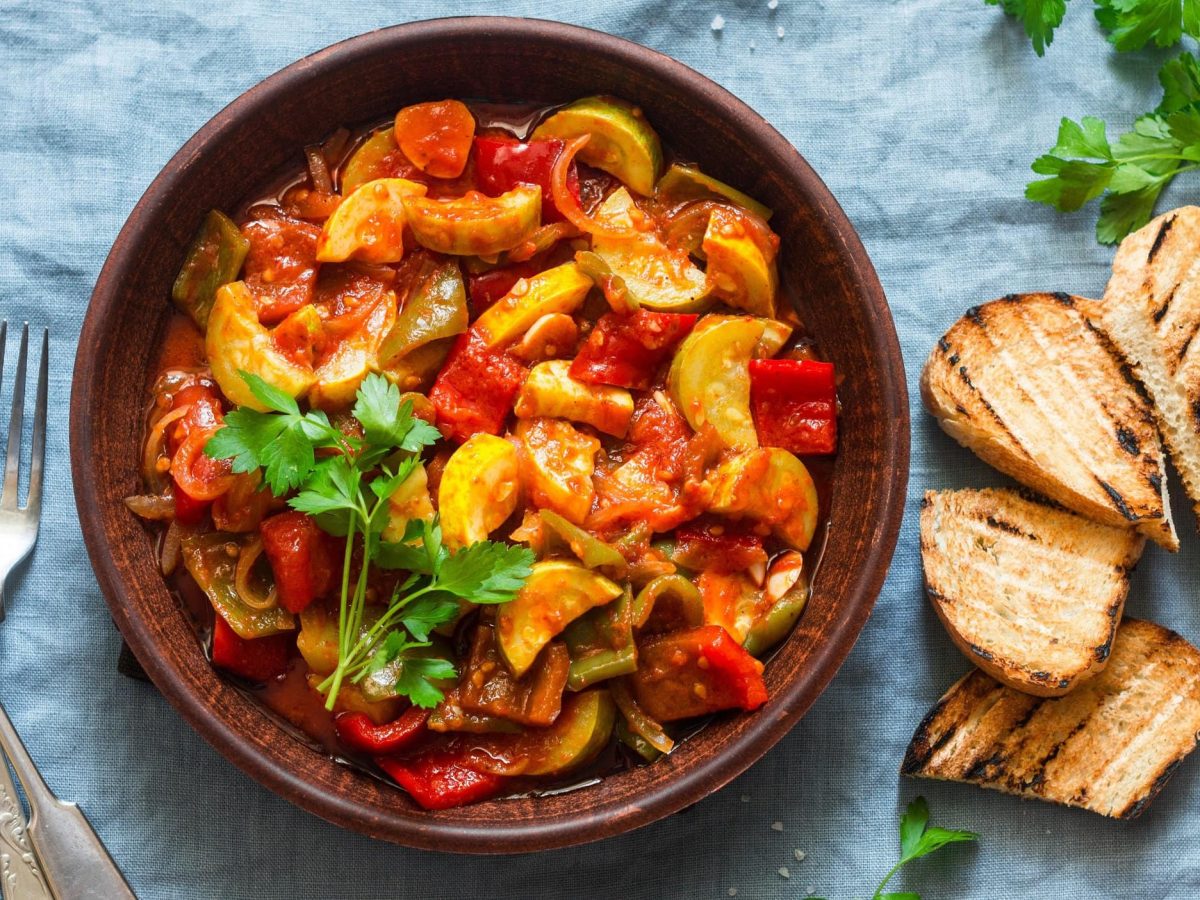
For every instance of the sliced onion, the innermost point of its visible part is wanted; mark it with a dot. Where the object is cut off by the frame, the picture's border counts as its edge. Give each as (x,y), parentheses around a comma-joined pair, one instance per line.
(566,202)
(155,449)
(153,507)
(248,593)
(685,225)
(318,170)
(169,558)
(636,718)
(335,146)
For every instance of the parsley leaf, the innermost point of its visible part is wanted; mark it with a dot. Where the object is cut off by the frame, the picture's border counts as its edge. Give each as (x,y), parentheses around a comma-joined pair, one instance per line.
(427,613)
(917,839)
(1131,172)
(1040,18)
(1132,24)
(387,421)
(1180,80)
(486,572)
(417,672)
(283,443)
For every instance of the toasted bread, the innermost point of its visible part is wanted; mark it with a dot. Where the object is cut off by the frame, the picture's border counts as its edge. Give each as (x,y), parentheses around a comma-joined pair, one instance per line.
(1037,391)
(1108,746)
(1151,310)
(1030,592)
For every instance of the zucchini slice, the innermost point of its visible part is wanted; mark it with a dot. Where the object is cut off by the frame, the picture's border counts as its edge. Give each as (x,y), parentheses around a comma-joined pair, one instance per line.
(556,594)
(622,143)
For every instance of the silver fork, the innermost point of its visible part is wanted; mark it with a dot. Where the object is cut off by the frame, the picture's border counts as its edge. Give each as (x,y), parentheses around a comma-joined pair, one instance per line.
(57,854)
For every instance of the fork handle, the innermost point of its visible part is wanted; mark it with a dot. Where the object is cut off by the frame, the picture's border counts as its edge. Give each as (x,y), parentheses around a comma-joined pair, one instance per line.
(21,875)
(74,859)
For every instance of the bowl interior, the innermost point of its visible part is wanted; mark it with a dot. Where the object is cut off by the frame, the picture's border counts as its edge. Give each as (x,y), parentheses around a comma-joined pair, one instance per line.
(823,268)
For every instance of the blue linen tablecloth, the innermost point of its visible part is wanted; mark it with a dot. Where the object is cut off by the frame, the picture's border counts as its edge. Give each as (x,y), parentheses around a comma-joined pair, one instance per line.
(922,116)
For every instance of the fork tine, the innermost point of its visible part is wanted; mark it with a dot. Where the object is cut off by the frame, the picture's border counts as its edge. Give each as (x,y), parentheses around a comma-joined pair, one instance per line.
(3,343)
(16,423)
(33,501)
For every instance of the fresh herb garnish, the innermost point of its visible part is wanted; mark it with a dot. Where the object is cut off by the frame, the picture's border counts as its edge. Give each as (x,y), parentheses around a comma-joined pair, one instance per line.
(918,839)
(1131,24)
(344,481)
(1131,171)
(1040,18)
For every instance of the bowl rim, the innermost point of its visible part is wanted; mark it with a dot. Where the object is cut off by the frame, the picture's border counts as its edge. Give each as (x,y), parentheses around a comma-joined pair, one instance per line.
(681,790)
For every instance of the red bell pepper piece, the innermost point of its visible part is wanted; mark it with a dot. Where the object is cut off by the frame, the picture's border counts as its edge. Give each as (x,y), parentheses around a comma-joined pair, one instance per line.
(438,779)
(475,390)
(357,732)
(717,546)
(503,163)
(487,288)
(626,350)
(695,672)
(302,556)
(188,510)
(258,660)
(795,404)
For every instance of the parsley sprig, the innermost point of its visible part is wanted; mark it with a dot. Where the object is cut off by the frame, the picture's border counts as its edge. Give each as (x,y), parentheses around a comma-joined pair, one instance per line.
(1131,24)
(344,480)
(1131,172)
(918,838)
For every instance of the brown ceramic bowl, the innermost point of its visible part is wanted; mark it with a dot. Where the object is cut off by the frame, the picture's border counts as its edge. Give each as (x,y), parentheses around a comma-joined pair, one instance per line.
(364,79)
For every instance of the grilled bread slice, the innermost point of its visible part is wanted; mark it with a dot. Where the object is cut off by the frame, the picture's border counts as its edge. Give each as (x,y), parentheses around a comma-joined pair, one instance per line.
(1108,746)
(1030,592)
(1035,390)
(1151,310)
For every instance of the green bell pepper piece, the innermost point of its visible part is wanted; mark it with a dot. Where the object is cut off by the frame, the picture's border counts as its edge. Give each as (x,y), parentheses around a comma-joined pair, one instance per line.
(779,620)
(592,552)
(434,309)
(637,720)
(685,603)
(636,742)
(601,644)
(214,258)
(214,569)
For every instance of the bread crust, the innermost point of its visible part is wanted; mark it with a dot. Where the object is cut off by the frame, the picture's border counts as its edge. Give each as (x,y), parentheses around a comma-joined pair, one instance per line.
(1109,747)
(1027,590)
(1151,309)
(1033,387)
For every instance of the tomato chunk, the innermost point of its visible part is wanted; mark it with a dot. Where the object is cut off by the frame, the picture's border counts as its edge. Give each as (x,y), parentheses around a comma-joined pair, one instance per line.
(258,660)
(438,779)
(626,350)
(436,136)
(503,163)
(718,546)
(358,732)
(281,267)
(695,672)
(474,392)
(794,403)
(302,556)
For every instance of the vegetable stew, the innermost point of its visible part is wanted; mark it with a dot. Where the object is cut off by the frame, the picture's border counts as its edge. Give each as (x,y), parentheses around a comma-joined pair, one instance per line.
(485,450)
